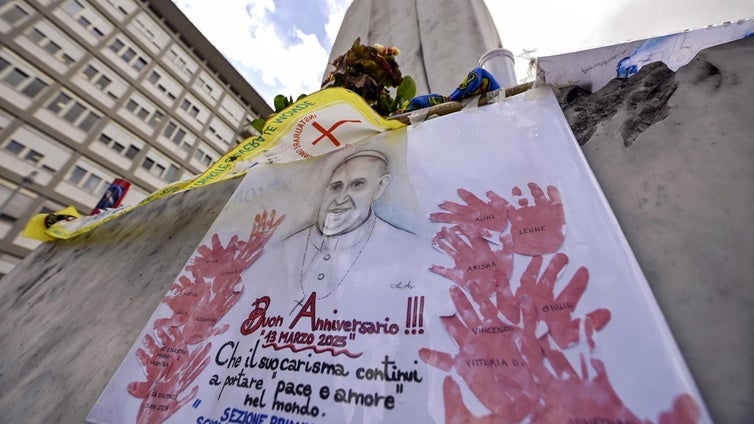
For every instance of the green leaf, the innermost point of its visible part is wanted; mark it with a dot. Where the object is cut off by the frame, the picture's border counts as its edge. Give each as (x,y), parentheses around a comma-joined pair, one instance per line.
(405,91)
(280,102)
(258,124)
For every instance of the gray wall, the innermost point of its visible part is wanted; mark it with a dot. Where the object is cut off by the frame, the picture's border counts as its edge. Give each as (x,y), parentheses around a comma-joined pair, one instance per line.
(70,311)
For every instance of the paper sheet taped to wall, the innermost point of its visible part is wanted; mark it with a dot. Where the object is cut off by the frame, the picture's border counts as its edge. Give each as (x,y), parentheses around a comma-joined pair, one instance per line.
(467,267)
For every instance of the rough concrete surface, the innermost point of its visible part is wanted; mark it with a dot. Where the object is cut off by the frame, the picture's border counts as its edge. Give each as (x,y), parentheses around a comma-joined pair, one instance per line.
(683,192)
(682,189)
(70,311)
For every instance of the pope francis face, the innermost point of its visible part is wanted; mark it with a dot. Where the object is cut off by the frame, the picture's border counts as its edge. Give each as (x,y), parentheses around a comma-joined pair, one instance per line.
(347,199)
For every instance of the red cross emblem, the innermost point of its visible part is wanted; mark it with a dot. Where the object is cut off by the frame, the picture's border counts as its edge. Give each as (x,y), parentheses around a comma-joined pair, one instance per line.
(328,132)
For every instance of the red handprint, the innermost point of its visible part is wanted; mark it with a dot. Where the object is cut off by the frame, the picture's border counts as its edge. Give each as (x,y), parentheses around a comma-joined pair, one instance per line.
(516,375)
(198,301)
(477,216)
(490,359)
(474,260)
(537,229)
(531,391)
(170,369)
(226,263)
(557,311)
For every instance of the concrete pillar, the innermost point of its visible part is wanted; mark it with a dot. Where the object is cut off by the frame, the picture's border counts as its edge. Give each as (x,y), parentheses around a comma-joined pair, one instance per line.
(440,40)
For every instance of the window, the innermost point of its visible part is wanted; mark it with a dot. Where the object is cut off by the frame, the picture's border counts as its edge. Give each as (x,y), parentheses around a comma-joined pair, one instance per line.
(119,8)
(73,7)
(169,129)
(146,112)
(16,206)
(132,152)
(50,41)
(185,65)
(179,135)
(90,71)
(51,47)
(87,180)
(16,77)
(165,85)
(139,64)
(190,108)
(14,14)
(203,157)
(142,114)
(119,142)
(157,170)
(116,45)
(103,82)
(155,119)
(174,133)
(105,138)
(77,174)
(91,183)
(59,103)
(36,36)
(33,156)
(89,122)
(75,112)
(19,75)
(172,174)
(34,88)
(128,54)
(151,32)
(161,168)
(87,17)
(14,147)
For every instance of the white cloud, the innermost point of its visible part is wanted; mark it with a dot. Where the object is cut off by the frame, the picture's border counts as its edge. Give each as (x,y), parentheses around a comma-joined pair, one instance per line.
(337,10)
(242,33)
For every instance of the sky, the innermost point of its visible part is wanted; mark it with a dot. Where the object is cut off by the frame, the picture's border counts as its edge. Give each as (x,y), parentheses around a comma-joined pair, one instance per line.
(282,46)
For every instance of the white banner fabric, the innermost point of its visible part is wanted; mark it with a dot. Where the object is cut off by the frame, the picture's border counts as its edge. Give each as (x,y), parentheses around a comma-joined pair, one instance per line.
(465,269)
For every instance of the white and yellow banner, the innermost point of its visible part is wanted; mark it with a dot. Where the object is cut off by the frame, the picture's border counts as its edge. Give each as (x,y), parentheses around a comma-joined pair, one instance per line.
(467,269)
(315,125)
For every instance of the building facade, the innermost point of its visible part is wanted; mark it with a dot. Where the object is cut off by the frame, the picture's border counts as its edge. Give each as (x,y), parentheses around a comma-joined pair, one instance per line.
(92,90)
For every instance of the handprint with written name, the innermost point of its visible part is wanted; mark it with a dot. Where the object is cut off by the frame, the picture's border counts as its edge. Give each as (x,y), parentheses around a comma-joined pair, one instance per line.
(474,260)
(477,216)
(557,311)
(489,360)
(539,228)
(169,369)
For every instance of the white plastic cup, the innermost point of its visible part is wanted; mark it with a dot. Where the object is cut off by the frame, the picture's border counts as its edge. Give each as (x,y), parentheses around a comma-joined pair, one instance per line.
(499,62)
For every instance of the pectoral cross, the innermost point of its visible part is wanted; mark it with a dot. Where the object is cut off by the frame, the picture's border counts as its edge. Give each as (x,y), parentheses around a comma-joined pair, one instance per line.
(298,304)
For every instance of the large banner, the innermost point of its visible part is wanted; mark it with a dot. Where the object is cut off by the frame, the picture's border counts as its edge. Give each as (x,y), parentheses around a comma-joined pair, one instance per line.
(464,269)
(592,69)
